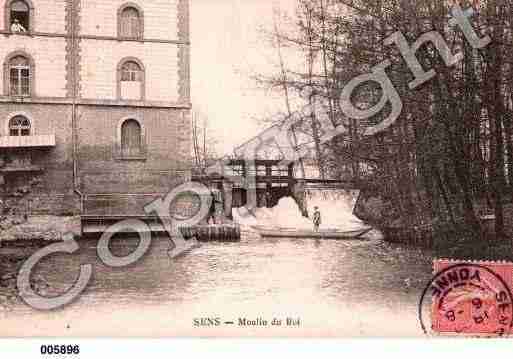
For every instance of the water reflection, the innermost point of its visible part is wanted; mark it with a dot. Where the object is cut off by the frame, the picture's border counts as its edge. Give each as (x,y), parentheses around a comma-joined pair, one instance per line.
(337,287)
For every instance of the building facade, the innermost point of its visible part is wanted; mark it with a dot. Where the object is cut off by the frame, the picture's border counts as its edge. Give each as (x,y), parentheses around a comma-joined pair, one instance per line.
(94,104)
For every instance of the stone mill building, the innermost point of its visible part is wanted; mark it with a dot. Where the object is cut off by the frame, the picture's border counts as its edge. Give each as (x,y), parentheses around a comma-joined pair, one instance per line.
(94,105)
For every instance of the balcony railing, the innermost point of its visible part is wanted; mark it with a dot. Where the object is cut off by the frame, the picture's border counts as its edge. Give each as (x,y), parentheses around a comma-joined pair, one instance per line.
(27,141)
(20,168)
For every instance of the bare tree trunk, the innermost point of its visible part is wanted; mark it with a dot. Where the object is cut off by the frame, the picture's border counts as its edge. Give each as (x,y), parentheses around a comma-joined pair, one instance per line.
(205,155)
(284,82)
(195,139)
(509,146)
(312,95)
(495,110)
(445,197)
(327,85)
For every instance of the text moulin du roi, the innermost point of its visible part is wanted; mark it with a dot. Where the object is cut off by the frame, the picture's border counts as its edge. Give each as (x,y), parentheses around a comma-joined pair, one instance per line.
(245,322)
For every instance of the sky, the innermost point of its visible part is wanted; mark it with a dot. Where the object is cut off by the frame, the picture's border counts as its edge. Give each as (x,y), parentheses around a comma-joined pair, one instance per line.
(227,48)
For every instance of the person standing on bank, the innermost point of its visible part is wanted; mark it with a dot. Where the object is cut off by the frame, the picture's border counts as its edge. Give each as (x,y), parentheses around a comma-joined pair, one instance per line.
(316,219)
(212,212)
(268,203)
(217,201)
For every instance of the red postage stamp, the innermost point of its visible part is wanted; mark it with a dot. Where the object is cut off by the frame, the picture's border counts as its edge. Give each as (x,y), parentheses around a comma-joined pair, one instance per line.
(472,298)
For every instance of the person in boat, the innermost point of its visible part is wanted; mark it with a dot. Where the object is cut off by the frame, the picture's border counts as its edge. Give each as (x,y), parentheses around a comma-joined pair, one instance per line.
(316,218)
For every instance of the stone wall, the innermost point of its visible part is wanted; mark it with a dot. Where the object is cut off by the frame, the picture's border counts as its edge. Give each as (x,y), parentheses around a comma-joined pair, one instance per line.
(165,164)
(99,17)
(100,58)
(36,228)
(90,58)
(85,66)
(49,58)
(51,189)
(49,16)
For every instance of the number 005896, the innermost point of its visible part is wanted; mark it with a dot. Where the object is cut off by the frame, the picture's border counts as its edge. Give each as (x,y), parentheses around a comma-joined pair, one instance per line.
(59,349)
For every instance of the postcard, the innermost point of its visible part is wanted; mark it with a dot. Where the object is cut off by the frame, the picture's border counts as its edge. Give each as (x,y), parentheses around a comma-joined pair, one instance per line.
(256,168)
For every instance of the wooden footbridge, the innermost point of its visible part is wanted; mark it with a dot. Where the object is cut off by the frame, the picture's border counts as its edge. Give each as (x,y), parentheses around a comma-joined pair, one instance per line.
(272,179)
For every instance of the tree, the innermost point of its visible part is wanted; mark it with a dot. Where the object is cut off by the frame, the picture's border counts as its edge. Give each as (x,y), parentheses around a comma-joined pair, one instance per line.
(450,153)
(203,141)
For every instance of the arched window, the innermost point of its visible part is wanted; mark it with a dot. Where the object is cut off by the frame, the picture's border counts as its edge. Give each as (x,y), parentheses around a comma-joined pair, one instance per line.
(131,72)
(19,126)
(131,138)
(130,22)
(19,13)
(19,76)
(131,79)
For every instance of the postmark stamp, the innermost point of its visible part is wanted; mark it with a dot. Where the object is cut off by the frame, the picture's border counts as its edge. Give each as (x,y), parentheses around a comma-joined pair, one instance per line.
(470,298)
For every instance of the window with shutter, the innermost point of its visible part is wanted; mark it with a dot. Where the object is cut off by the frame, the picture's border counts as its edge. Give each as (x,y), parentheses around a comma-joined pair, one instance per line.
(131,139)
(131,24)
(19,73)
(131,81)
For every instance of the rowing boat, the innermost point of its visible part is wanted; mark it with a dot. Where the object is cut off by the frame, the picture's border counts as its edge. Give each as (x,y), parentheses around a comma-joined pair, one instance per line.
(273,232)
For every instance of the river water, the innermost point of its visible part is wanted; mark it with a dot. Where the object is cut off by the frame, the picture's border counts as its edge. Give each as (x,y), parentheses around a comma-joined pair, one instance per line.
(334,288)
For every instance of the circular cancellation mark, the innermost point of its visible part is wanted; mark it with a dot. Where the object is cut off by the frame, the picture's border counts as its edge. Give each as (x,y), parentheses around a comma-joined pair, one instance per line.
(469,299)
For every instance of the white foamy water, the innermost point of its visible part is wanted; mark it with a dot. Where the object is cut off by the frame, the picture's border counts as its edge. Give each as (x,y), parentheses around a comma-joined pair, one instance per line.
(284,215)
(287,215)
(336,208)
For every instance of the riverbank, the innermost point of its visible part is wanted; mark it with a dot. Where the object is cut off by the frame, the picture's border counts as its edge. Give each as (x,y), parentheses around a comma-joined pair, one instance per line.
(447,242)
(10,263)
(12,257)
(453,240)
(20,237)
